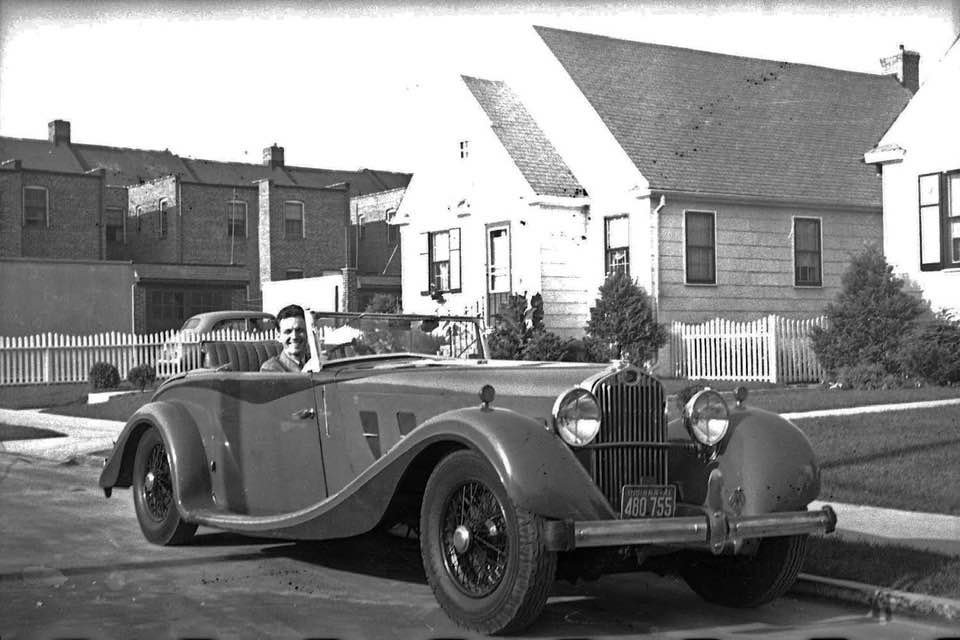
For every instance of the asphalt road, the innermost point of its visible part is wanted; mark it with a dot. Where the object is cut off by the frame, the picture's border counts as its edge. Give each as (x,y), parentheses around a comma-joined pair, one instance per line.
(73,563)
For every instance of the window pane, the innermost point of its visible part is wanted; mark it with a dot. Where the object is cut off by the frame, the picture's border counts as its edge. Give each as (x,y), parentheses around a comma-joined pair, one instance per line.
(617,232)
(953,195)
(700,229)
(441,276)
(955,241)
(930,235)
(441,246)
(930,189)
(807,235)
(292,219)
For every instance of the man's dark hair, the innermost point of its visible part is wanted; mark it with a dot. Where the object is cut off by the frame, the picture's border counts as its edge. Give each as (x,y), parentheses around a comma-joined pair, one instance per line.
(291,311)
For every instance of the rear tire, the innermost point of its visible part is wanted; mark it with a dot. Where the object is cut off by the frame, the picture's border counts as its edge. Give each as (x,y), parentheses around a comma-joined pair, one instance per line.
(484,558)
(153,500)
(748,580)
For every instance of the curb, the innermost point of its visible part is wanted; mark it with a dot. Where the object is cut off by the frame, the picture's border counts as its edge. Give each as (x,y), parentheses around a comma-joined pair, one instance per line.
(883,602)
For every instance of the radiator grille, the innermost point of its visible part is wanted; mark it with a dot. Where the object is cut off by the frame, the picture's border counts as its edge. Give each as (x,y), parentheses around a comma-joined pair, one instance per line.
(632,419)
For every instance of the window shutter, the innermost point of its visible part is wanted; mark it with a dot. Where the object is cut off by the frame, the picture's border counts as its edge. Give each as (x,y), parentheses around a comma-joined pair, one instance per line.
(424,242)
(930,226)
(455,259)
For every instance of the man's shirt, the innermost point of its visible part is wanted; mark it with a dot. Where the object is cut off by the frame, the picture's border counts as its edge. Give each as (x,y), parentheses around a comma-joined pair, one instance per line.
(282,363)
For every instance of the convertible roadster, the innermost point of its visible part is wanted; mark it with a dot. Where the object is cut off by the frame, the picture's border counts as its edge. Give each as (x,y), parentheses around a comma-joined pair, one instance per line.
(512,473)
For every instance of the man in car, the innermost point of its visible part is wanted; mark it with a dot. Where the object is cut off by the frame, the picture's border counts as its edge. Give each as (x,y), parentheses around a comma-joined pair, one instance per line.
(293,337)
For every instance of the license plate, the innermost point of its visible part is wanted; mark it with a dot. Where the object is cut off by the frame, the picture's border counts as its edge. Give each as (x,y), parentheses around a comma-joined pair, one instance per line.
(648,501)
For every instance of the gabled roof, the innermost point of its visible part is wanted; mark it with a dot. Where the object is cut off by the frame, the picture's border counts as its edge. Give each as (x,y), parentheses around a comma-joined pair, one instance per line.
(531,151)
(126,167)
(703,122)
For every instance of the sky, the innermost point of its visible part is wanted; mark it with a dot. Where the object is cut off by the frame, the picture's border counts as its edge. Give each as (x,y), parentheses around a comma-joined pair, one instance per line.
(336,83)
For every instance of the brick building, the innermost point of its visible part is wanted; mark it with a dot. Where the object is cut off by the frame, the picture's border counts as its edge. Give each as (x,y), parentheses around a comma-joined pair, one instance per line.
(202,235)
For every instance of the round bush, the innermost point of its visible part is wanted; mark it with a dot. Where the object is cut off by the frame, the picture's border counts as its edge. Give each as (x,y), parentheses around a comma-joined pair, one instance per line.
(142,376)
(103,375)
(932,353)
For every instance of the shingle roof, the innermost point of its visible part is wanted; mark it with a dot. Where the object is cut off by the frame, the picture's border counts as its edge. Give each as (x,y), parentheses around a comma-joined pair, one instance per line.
(705,122)
(133,166)
(531,151)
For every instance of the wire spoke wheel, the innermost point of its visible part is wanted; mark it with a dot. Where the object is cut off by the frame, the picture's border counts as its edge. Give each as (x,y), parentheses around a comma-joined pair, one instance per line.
(157,488)
(474,539)
(485,559)
(153,496)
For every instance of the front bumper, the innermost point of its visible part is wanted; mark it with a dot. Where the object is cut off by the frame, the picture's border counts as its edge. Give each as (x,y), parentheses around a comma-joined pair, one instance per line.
(717,530)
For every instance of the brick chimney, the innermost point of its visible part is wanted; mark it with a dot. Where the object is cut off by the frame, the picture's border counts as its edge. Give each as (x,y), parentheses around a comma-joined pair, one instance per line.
(273,156)
(905,64)
(58,132)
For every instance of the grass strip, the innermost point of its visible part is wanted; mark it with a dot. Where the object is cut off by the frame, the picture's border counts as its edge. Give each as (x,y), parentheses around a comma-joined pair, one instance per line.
(900,460)
(10,432)
(890,566)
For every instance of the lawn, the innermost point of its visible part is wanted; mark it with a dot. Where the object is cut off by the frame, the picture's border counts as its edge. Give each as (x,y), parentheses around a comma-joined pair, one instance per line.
(898,459)
(116,408)
(902,569)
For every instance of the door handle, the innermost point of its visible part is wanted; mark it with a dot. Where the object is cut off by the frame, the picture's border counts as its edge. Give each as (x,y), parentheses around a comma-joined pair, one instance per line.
(303,414)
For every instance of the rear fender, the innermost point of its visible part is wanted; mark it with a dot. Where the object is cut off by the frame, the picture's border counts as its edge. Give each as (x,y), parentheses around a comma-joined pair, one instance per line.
(188,460)
(537,469)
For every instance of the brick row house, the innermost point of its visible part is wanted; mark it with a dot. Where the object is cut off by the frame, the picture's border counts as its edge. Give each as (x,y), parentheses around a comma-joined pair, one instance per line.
(198,235)
(726,186)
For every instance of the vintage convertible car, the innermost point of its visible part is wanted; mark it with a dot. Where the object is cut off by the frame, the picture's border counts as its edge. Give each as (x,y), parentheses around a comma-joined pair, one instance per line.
(512,473)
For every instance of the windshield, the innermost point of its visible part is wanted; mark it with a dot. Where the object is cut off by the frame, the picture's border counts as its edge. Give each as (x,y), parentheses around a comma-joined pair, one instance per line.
(191,323)
(342,336)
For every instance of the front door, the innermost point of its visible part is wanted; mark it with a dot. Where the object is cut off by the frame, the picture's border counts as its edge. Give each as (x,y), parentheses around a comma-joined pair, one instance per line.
(499,283)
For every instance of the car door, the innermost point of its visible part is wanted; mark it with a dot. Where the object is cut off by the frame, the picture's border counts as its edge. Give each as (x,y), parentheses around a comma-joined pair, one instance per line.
(271,458)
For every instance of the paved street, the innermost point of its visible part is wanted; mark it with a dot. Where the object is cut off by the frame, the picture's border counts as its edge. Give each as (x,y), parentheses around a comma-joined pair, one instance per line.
(74,563)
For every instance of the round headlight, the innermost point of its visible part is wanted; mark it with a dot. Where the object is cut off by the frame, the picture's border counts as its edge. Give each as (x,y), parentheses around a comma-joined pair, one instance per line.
(707,417)
(576,417)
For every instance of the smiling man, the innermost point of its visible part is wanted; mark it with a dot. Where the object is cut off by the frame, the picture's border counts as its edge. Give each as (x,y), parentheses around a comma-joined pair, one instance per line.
(293,337)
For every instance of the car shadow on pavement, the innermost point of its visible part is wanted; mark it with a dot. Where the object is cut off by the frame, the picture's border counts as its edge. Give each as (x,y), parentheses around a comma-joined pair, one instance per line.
(376,554)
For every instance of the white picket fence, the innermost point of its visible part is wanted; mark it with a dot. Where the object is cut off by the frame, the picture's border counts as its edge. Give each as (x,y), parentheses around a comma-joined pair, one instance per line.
(772,349)
(54,358)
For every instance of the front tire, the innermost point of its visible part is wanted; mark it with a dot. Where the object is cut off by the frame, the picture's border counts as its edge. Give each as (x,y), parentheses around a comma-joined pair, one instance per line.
(484,558)
(748,580)
(153,494)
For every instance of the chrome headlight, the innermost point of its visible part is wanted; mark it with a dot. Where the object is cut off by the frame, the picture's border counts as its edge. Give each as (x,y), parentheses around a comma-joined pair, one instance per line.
(707,417)
(576,417)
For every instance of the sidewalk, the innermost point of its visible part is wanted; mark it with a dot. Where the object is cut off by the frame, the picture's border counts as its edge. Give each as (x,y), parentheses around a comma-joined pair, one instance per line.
(83,435)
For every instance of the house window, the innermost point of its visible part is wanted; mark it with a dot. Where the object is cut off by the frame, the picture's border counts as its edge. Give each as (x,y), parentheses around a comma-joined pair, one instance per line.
(293,274)
(617,245)
(293,220)
(498,259)
(393,234)
(162,218)
(236,219)
(807,253)
(939,220)
(700,246)
(464,149)
(444,260)
(35,207)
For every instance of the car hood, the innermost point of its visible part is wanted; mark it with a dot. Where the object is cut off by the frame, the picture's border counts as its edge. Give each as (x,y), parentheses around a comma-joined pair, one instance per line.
(527,387)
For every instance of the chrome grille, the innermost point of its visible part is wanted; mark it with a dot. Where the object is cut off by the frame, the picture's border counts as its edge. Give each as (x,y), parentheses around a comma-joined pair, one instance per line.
(633,424)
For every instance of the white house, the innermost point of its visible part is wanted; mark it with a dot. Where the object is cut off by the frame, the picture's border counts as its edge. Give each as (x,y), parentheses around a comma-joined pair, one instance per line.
(724,185)
(919,157)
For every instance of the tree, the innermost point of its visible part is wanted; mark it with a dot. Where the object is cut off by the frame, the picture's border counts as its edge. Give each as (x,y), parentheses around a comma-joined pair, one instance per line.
(622,324)
(869,318)
(513,338)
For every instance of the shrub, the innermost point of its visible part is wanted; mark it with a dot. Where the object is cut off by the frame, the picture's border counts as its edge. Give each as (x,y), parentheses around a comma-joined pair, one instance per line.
(868,319)
(103,375)
(932,352)
(622,324)
(512,338)
(142,376)
(383,303)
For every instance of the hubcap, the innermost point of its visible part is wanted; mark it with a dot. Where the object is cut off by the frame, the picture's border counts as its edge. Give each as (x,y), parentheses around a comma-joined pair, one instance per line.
(149,481)
(461,539)
(473,541)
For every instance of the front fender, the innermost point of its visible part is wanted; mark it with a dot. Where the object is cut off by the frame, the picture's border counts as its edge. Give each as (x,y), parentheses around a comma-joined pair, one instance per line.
(537,469)
(181,437)
(767,465)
